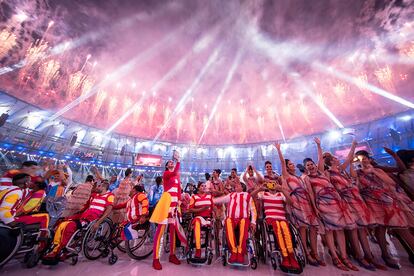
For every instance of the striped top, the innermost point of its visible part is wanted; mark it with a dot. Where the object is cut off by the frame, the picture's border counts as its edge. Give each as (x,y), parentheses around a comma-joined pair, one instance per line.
(274,205)
(205,200)
(239,205)
(99,202)
(136,207)
(10,199)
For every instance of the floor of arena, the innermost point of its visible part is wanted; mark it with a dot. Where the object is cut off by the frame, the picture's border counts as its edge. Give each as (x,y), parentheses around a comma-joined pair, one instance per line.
(126,266)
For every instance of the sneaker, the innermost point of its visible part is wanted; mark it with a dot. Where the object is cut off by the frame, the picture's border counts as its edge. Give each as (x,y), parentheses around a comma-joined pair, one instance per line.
(285,263)
(197,254)
(294,263)
(156,264)
(173,259)
(233,258)
(240,258)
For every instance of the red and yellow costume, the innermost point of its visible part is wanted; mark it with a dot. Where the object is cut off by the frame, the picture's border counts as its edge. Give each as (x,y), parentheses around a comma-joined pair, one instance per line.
(201,217)
(166,212)
(95,209)
(136,207)
(275,215)
(240,207)
(16,201)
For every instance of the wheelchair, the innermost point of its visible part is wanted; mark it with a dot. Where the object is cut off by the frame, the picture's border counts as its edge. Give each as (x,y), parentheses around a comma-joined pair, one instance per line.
(93,244)
(22,241)
(272,251)
(207,237)
(251,250)
(185,222)
(141,247)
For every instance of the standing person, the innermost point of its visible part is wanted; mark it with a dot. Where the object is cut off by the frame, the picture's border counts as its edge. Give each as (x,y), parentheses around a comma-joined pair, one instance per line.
(166,213)
(155,193)
(79,197)
(270,175)
(363,217)
(122,195)
(252,178)
(333,210)
(389,211)
(232,181)
(215,184)
(304,213)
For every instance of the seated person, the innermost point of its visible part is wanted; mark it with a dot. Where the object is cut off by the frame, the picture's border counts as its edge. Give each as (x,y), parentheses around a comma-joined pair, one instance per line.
(98,208)
(33,201)
(201,205)
(275,197)
(16,205)
(136,206)
(240,207)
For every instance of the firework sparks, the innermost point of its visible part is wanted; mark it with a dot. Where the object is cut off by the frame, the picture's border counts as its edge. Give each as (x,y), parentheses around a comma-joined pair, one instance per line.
(75,82)
(49,71)
(99,99)
(87,85)
(384,76)
(34,54)
(7,42)
(339,89)
(113,102)
(151,112)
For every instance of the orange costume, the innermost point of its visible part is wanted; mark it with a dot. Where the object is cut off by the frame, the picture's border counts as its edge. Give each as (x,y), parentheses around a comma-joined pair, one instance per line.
(201,217)
(240,207)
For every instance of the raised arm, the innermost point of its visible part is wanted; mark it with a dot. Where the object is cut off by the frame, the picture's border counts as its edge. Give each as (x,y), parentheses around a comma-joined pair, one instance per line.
(350,156)
(222,199)
(282,160)
(168,174)
(259,175)
(321,165)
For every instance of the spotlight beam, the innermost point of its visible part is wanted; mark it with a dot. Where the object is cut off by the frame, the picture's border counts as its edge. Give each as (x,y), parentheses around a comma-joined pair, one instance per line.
(352,80)
(184,99)
(85,38)
(226,84)
(122,71)
(270,49)
(200,45)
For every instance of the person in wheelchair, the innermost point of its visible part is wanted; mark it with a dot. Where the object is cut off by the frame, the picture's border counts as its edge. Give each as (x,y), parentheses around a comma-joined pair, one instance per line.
(17,203)
(136,207)
(240,207)
(274,198)
(98,208)
(201,205)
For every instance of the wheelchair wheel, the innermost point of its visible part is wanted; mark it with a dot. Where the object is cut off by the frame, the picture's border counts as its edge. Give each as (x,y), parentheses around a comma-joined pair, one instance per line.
(210,258)
(95,242)
(141,247)
(74,260)
(10,240)
(253,263)
(264,242)
(31,259)
(122,246)
(299,248)
(112,259)
(273,262)
(167,240)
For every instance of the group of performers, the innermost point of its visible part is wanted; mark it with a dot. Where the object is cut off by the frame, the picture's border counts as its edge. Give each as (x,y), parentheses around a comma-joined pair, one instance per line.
(342,203)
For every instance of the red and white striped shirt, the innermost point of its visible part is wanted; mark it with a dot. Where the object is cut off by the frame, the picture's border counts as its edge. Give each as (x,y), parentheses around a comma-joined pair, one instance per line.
(240,205)
(99,202)
(205,200)
(136,207)
(274,205)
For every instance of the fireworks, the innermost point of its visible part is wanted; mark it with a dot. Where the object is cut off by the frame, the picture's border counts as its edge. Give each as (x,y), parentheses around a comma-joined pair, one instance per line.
(113,102)
(99,99)
(408,50)
(75,82)
(87,85)
(151,112)
(339,89)
(49,71)
(7,42)
(384,76)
